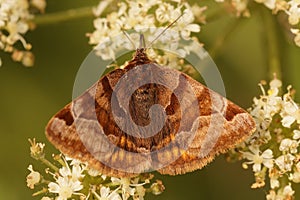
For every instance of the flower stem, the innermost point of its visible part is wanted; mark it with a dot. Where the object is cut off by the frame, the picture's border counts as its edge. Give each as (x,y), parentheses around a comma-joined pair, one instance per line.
(62,16)
(272,43)
(42,191)
(49,164)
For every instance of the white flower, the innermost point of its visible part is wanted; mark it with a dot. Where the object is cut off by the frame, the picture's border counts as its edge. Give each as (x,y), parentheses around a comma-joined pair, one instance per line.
(274,183)
(282,194)
(281,138)
(36,148)
(139,193)
(258,159)
(275,84)
(271,4)
(93,172)
(240,6)
(125,186)
(106,194)
(15,17)
(46,198)
(141,6)
(294,12)
(295,177)
(32,178)
(288,145)
(164,12)
(288,191)
(296,135)
(64,187)
(285,162)
(268,3)
(297,40)
(137,16)
(267,105)
(74,174)
(75,180)
(185,26)
(287,121)
(290,112)
(271,196)
(297,36)
(39,4)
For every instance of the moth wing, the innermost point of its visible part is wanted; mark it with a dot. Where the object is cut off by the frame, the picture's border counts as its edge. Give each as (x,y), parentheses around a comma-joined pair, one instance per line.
(76,132)
(222,125)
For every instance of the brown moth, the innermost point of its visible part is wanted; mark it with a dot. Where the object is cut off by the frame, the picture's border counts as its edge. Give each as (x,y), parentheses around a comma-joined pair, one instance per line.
(197,123)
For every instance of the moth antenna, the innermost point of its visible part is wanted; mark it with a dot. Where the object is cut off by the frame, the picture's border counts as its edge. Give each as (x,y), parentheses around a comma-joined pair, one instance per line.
(142,41)
(126,34)
(151,43)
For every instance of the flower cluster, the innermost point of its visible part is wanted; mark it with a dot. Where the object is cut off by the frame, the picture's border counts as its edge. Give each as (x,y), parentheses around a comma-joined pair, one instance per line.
(273,150)
(290,7)
(75,180)
(120,29)
(15,17)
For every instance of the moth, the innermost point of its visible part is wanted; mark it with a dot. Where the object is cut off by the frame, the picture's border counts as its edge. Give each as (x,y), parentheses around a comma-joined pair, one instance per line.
(146,117)
(169,122)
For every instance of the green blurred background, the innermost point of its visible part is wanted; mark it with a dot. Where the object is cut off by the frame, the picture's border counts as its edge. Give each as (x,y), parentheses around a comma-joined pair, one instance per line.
(30,96)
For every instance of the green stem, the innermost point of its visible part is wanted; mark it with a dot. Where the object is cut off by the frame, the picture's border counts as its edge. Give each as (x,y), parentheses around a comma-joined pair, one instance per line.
(42,191)
(63,16)
(49,164)
(111,184)
(272,43)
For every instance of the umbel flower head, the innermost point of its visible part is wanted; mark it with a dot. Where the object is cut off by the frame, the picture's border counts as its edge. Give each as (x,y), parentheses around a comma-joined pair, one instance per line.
(73,179)
(15,17)
(149,18)
(273,150)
